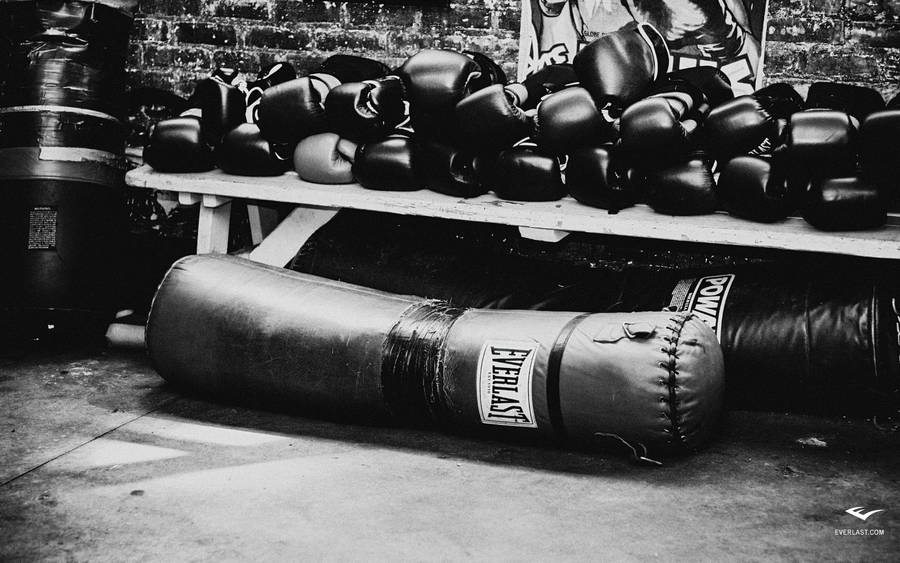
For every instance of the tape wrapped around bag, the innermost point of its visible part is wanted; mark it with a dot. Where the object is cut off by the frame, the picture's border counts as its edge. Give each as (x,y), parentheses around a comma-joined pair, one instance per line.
(227,326)
(63,53)
(60,126)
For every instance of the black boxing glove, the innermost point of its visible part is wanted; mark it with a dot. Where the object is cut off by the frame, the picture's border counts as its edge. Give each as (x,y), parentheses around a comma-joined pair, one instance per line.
(593,178)
(491,119)
(294,110)
(177,145)
(858,101)
(271,75)
(844,204)
(436,80)
(546,80)
(522,173)
(820,144)
(218,104)
(750,125)
(685,188)
(754,187)
(569,119)
(620,67)
(446,169)
(879,153)
(715,84)
(388,163)
(361,111)
(490,72)
(661,127)
(245,152)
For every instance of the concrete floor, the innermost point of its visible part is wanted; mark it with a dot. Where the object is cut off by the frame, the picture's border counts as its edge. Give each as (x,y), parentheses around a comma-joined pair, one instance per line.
(100,460)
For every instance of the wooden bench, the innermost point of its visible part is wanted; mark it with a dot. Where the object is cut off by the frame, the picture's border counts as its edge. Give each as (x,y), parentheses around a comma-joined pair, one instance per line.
(546,221)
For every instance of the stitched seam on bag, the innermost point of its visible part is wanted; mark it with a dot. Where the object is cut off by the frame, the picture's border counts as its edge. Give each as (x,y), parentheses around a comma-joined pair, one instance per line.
(671,382)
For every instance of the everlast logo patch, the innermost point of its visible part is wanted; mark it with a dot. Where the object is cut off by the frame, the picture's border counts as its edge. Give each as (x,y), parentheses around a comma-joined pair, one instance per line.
(707,298)
(504,383)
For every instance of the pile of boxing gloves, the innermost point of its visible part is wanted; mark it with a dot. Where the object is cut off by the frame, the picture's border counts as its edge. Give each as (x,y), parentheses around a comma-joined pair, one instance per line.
(611,130)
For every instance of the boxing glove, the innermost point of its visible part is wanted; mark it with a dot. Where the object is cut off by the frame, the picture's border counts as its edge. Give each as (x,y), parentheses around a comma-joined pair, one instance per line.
(177,145)
(446,169)
(227,76)
(325,158)
(295,109)
(858,101)
(820,144)
(522,173)
(550,78)
(491,119)
(244,152)
(352,68)
(436,80)
(362,111)
(569,119)
(685,188)
(620,67)
(494,122)
(660,128)
(271,75)
(592,178)
(844,204)
(879,154)
(750,125)
(754,188)
(715,84)
(490,72)
(221,105)
(387,164)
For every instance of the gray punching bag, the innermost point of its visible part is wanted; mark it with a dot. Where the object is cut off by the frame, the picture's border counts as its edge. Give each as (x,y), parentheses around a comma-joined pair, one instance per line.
(62,143)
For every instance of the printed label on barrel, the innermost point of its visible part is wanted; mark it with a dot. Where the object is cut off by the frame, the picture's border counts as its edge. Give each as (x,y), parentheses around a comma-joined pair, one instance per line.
(504,383)
(705,297)
(42,228)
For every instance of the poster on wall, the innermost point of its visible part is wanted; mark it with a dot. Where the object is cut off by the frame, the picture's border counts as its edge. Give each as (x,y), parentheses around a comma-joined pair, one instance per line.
(728,34)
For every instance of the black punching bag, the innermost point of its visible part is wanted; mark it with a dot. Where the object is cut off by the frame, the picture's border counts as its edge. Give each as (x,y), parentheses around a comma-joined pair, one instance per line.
(62,141)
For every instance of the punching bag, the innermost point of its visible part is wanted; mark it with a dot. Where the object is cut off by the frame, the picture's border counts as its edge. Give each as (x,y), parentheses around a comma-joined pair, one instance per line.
(62,142)
(226,326)
(814,339)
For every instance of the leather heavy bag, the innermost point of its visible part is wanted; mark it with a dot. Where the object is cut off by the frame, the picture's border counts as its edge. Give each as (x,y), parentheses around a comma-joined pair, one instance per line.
(227,326)
(813,339)
(61,166)
(62,222)
(63,53)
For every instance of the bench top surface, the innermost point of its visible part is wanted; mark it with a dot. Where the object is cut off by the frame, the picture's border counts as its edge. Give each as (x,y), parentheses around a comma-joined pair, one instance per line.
(564,215)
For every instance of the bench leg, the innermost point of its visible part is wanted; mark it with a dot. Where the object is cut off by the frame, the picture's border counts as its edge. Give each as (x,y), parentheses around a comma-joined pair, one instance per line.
(213,227)
(263,221)
(285,241)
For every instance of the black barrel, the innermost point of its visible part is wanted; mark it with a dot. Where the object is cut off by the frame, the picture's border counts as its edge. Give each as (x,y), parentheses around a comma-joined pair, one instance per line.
(62,218)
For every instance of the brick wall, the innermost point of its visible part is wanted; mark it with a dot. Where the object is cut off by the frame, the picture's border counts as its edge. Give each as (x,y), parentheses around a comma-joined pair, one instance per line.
(177,40)
(855,41)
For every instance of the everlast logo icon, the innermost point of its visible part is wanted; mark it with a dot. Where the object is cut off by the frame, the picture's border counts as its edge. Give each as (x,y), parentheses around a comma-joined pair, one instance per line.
(708,298)
(504,384)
